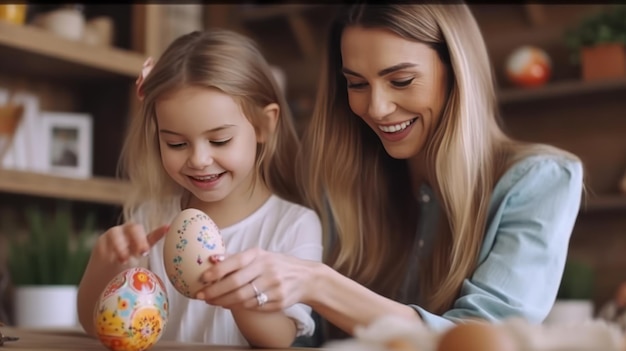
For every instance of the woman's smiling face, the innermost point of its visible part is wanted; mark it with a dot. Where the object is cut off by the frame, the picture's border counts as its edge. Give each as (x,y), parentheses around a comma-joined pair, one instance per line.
(397,86)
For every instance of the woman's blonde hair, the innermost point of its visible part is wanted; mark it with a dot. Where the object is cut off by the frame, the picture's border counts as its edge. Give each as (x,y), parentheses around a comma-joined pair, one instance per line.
(364,196)
(215,59)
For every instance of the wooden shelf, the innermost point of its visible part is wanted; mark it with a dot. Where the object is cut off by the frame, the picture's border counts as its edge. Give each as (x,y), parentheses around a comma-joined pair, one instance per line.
(604,203)
(96,190)
(560,89)
(34,51)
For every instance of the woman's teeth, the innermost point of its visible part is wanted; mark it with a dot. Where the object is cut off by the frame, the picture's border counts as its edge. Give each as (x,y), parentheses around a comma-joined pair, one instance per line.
(397,127)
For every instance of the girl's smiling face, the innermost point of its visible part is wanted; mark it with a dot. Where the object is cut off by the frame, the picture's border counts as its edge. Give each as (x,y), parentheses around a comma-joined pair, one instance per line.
(207,144)
(397,86)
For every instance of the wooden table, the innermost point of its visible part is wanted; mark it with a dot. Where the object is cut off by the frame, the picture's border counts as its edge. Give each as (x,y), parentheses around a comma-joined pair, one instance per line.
(68,340)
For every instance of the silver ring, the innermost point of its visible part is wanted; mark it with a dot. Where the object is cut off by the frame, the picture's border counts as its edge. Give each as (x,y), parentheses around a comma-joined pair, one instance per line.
(261,297)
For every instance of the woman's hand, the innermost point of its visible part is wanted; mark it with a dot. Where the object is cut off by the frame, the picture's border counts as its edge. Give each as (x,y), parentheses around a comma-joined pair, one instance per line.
(120,243)
(285,280)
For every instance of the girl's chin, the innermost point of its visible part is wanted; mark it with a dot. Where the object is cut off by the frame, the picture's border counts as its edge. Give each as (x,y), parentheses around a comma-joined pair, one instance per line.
(204,197)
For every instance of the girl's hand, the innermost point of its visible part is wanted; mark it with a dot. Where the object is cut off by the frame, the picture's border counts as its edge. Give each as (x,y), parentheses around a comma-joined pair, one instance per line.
(120,243)
(284,279)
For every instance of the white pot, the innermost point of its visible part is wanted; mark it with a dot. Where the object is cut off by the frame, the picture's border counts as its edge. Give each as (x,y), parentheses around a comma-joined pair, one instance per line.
(67,23)
(52,306)
(570,312)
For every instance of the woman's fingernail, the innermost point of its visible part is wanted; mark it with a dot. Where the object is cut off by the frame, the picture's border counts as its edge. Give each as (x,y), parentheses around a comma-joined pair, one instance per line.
(145,253)
(200,296)
(216,258)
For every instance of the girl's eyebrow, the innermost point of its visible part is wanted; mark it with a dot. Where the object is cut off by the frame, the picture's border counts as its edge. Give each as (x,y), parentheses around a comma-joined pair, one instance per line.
(382,72)
(216,129)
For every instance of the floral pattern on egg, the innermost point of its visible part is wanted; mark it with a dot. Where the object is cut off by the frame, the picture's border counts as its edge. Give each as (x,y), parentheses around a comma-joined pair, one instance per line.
(203,236)
(132,316)
(193,237)
(142,282)
(114,285)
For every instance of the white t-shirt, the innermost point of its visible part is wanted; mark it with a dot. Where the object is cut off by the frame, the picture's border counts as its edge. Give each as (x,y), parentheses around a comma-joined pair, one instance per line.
(278,226)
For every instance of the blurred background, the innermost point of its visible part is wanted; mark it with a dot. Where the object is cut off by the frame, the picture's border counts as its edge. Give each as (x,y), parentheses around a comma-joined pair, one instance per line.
(67,92)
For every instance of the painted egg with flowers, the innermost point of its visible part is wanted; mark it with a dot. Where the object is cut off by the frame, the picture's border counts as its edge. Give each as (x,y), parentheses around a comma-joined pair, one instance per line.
(529,66)
(191,239)
(132,311)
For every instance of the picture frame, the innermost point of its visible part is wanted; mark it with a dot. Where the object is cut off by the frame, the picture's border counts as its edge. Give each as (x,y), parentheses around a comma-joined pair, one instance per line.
(67,138)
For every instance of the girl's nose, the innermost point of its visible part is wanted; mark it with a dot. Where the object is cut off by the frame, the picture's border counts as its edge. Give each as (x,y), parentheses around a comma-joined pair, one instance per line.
(200,158)
(380,104)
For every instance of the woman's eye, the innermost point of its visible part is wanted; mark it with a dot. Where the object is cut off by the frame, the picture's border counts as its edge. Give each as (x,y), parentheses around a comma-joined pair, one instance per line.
(221,142)
(356,85)
(402,83)
(176,145)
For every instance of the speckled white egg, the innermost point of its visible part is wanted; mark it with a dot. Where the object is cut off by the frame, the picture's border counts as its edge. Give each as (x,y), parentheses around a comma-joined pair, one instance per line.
(132,311)
(191,239)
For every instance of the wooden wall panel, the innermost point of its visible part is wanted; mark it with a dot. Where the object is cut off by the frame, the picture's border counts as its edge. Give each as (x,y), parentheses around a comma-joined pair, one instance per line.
(53,95)
(593,127)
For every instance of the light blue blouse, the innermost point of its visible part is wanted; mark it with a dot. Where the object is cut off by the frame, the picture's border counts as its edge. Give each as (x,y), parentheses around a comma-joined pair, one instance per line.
(531,217)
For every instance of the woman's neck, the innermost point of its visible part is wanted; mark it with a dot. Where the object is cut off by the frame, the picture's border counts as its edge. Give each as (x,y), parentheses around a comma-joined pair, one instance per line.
(235,207)
(418,170)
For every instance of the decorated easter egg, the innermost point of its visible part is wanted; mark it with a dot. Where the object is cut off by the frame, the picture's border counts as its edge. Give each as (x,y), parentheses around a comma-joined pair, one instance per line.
(528,66)
(132,311)
(191,239)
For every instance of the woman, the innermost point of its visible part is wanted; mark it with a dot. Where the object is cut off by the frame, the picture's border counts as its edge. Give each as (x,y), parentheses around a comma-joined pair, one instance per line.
(427,206)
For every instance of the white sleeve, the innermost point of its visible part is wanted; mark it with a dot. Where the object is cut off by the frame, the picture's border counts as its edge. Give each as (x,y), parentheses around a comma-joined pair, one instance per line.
(304,240)
(301,314)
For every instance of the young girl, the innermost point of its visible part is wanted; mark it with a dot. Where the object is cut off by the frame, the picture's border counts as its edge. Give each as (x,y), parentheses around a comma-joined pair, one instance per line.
(430,210)
(215,135)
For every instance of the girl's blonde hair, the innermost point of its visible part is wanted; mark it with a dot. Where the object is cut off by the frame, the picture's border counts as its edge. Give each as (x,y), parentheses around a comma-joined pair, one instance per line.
(216,59)
(365,197)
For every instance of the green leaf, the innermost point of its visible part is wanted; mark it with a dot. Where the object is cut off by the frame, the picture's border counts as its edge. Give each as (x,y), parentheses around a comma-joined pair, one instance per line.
(608,26)
(51,252)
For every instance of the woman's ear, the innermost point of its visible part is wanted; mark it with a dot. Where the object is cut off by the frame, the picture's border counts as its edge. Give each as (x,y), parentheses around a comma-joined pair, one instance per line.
(271,113)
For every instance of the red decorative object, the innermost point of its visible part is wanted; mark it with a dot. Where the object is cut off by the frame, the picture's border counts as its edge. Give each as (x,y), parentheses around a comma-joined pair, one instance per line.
(528,67)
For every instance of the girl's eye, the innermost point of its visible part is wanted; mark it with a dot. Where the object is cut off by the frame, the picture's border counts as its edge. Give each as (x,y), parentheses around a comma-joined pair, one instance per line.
(221,142)
(402,83)
(175,145)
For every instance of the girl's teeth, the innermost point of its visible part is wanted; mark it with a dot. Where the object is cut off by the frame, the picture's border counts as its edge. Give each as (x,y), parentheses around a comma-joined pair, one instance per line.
(211,177)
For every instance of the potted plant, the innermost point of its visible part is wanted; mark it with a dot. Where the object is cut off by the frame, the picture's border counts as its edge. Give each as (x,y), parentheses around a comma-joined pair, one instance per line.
(574,298)
(598,44)
(45,265)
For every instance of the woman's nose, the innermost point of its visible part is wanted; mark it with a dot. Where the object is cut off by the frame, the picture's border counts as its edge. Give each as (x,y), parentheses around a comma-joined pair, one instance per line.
(200,158)
(380,105)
